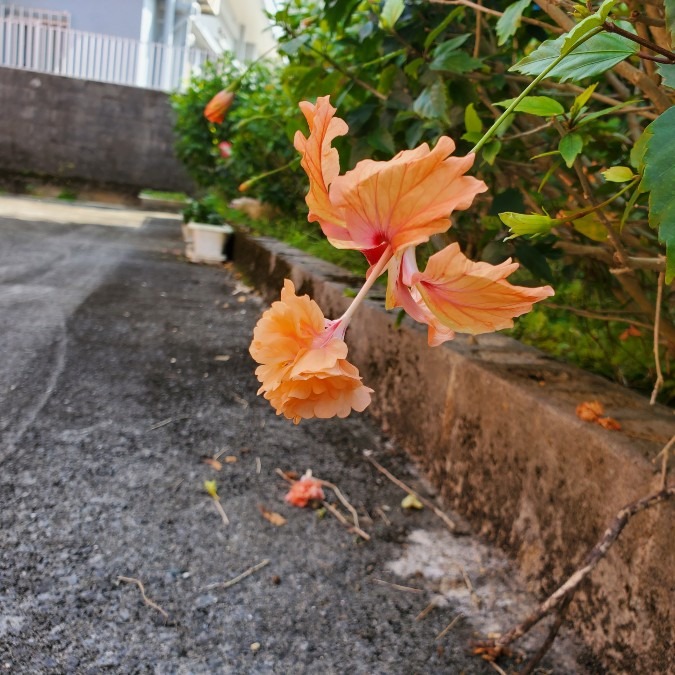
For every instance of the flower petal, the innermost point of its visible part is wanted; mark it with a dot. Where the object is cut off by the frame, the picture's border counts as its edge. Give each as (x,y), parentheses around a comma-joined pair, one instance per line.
(407,199)
(471,297)
(321,162)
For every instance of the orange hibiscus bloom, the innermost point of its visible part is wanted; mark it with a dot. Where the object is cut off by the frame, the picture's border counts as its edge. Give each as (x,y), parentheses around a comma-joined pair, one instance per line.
(457,294)
(217,107)
(380,206)
(304,491)
(303,368)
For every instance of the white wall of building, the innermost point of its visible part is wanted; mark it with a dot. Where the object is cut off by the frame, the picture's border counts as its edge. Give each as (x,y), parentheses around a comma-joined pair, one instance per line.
(121,18)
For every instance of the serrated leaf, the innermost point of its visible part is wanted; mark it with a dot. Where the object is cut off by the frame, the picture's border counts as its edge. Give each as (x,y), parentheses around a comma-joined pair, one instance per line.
(618,174)
(594,57)
(667,72)
(448,57)
(491,150)
(659,178)
(432,103)
(509,21)
(570,146)
(543,106)
(472,122)
(591,227)
(582,99)
(391,13)
(450,17)
(531,224)
(588,24)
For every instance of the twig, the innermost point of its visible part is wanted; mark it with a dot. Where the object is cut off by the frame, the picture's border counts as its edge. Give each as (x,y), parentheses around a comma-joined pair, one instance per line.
(343,499)
(494,12)
(345,522)
(596,554)
(382,515)
(546,645)
(501,671)
(664,462)
(597,315)
(452,526)
(426,610)
(168,420)
(398,587)
(467,582)
(221,511)
(479,32)
(449,627)
(146,599)
(258,465)
(237,579)
(657,324)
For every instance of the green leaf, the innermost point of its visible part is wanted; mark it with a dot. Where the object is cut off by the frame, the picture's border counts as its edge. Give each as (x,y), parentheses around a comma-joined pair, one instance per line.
(591,227)
(491,150)
(432,103)
(543,106)
(659,178)
(581,100)
(382,140)
(587,25)
(594,57)
(570,146)
(448,57)
(618,174)
(472,122)
(526,224)
(412,68)
(292,46)
(670,17)
(637,152)
(667,72)
(391,13)
(450,17)
(509,22)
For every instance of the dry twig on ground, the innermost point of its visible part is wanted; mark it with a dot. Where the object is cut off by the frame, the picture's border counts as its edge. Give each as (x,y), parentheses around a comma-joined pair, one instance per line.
(238,578)
(146,599)
(452,526)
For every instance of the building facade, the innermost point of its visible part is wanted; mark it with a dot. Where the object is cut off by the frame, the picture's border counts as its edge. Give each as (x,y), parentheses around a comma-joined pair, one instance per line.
(147,43)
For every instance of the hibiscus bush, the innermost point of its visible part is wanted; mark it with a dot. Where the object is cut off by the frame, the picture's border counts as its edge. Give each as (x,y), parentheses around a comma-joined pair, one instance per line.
(250,138)
(578,174)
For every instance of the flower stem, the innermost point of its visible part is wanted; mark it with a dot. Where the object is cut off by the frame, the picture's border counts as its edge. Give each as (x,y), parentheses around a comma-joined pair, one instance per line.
(514,104)
(375,273)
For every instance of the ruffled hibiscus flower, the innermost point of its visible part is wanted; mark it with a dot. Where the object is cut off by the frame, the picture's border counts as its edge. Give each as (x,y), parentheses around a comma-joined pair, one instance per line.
(303,369)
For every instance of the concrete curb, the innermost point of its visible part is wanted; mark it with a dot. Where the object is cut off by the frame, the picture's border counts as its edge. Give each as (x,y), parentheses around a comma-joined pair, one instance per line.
(493,424)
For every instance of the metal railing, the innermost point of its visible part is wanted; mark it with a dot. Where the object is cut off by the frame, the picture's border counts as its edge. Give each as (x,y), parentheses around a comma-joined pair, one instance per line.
(30,44)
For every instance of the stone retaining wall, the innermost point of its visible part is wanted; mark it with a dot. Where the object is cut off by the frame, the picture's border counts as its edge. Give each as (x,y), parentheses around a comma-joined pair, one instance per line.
(493,424)
(106,134)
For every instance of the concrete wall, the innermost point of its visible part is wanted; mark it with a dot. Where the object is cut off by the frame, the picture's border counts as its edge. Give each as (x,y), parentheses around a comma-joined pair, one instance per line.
(121,17)
(89,131)
(493,424)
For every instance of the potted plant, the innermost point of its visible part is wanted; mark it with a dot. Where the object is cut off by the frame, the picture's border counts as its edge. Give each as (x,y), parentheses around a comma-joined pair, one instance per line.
(205,232)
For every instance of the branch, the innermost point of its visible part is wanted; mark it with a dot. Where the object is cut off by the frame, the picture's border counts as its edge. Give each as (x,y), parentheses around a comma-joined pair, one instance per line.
(596,554)
(648,87)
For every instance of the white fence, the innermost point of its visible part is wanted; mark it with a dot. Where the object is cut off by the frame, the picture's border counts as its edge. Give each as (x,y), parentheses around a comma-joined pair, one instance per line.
(30,44)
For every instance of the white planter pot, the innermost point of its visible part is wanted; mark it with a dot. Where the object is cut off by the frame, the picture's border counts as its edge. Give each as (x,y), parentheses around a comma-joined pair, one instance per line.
(208,242)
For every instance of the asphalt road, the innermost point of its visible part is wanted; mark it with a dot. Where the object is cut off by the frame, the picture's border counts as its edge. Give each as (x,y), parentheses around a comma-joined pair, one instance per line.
(122,367)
